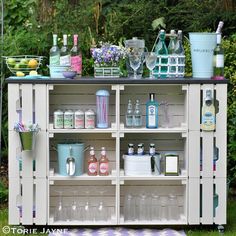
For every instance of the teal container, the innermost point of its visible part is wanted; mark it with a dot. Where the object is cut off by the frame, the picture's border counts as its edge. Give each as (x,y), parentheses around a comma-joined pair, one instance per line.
(67,152)
(202,49)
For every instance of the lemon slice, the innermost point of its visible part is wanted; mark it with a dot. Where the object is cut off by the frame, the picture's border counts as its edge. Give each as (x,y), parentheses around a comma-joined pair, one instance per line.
(20,74)
(33,72)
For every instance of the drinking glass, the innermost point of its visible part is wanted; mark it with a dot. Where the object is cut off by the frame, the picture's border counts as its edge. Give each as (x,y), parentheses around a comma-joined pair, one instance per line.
(135,59)
(74,209)
(165,118)
(150,58)
(129,208)
(143,207)
(60,210)
(173,208)
(164,210)
(155,207)
(87,208)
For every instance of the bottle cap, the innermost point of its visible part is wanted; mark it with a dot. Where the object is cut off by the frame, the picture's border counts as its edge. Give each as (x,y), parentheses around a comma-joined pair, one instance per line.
(152,96)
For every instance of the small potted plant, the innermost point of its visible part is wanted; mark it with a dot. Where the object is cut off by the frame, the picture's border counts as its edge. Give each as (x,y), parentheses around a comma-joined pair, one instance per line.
(107,58)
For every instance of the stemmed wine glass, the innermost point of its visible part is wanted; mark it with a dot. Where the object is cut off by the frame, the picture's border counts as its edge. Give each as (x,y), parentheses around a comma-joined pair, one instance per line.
(135,59)
(74,209)
(150,58)
(101,209)
(60,211)
(87,211)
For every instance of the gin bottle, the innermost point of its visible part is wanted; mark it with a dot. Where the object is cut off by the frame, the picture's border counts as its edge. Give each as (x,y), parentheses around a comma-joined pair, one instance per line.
(54,53)
(179,51)
(65,53)
(152,112)
(129,115)
(76,57)
(171,51)
(162,53)
(137,117)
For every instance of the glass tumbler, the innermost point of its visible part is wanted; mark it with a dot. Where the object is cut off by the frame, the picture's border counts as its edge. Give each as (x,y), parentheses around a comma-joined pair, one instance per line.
(155,207)
(173,207)
(102,108)
(143,207)
(129,208)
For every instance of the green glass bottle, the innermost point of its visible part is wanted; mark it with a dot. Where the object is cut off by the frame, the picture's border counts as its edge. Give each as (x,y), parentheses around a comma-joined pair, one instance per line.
(162,53)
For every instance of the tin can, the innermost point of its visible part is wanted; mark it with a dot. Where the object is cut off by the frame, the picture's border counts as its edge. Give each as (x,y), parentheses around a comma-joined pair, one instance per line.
(58,119)
(130,149)
(152,149)
(69,119)
(140,149)
(79,119)
(89,119)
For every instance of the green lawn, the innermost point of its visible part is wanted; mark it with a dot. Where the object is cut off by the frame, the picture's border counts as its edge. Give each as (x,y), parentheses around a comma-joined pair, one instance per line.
(230,228)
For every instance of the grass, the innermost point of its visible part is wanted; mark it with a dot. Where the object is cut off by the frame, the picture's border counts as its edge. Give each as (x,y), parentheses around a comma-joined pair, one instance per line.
(230,228)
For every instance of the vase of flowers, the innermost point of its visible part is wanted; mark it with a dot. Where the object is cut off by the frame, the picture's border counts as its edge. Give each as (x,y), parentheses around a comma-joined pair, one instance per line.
(106,60)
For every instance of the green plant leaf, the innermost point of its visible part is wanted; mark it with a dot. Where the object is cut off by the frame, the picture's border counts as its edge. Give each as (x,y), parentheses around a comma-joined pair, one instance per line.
(158,23)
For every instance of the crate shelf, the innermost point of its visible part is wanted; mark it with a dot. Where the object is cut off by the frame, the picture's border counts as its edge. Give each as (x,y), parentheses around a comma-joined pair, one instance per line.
(40,188)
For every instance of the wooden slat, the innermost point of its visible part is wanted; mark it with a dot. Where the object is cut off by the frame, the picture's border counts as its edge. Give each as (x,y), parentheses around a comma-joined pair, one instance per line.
(220,217)
(13,103)
(194,154)
(14,151)
(194,201)
(207,154)
(221,131)
(27,201)
(207,201)
(41,203)
(194,107)
(13,210)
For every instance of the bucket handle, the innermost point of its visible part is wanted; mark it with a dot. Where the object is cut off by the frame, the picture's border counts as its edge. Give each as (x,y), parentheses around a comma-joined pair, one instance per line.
(55,149)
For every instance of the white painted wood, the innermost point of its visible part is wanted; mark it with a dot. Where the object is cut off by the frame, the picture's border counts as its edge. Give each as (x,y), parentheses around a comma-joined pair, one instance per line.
(194,201)
(117,208)
(155,177)
(14,194)
(221,131)
(13,104)
(221,191)
(81,131)
(194,154)
(14,152)
(194,107)
(207,154)
(41,203)
(158,130)
(207,201)
(27,201)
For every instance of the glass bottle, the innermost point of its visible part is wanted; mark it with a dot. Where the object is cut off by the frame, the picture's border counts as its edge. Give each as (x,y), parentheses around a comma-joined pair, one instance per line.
(218,60)
(76,57)
(162,52)
(103,163)
(129,115)
(171,51)
(54,53)
(152,112)
(92,163)
(179,51)
(137,117)
(65,53)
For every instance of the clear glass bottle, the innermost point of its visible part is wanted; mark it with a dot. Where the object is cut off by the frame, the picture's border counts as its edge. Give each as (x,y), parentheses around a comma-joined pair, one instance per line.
(179,51)
(65,53)
(137,117)
(218,60)
(152,112)
(129,115)
(92,163)
(171,51)
(103,163)
(76,57)
(162,52)
(54,53)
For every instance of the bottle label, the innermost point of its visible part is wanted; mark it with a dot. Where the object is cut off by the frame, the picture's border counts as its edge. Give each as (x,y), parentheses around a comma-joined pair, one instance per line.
(54,60)
(137,120)
(151,116)
(76,64)
(68,121)
(129,120)
(92,167)
(65,60)
(79,122)
(103,168)
(219,61)
(208,121)
(89,122)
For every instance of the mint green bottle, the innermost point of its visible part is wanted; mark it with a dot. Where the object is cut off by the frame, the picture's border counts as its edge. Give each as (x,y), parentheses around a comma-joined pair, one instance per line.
(161,50)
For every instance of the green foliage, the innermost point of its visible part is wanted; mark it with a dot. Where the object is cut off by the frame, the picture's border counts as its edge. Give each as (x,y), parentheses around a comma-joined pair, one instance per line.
(3,193)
